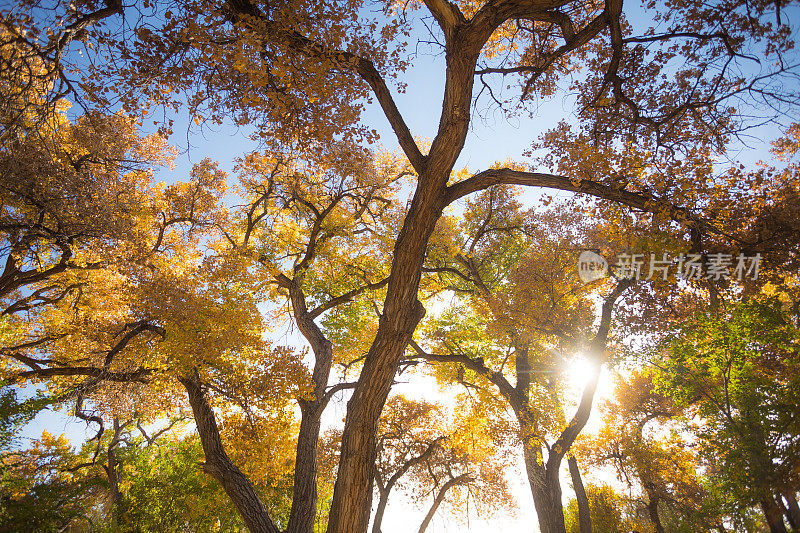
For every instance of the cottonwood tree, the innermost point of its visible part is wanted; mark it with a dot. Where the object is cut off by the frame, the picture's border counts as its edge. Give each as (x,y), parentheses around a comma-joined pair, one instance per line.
(735,371)
(658,465)
(88,242)
(314,231)
(524,315)
(436,463)
(611,511)
(303,69)
(433,463)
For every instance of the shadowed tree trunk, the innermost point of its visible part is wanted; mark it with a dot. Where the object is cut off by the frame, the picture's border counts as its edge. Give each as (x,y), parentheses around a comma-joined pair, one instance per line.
(218,465)
(112,473)
(774,515)
(652,507)
(584,514)
(792,511)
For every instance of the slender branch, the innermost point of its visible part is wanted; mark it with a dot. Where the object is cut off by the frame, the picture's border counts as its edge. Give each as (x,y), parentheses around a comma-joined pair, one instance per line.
(345,60)
(346,297)
(642,201)
(596,354)
(498,379)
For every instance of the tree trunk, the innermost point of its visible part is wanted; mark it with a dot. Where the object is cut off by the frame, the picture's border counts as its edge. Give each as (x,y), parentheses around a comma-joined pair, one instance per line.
(774,515)
(113,477)
(546,491)
(652,508)
(440,496)
(584,514)
(382,501)
(219,466)
(549,510)
(402,311)
(792,510)
(304,494)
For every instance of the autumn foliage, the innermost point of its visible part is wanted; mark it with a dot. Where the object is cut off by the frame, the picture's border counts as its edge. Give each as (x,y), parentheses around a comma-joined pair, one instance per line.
(332,328)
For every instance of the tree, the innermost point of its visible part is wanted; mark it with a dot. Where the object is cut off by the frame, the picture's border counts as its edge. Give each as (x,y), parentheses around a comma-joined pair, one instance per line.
(611,512)
(735,370)
(41,493)
(300,70)
(419,454)
(527,314)
(655,462)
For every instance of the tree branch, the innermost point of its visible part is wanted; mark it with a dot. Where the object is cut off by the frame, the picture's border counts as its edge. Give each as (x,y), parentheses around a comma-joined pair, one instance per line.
(596,355)
(498,379)
(487,178)
(345,60)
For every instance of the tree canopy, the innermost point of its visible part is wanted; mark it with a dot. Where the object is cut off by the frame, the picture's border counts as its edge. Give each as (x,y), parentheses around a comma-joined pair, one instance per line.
(326,266)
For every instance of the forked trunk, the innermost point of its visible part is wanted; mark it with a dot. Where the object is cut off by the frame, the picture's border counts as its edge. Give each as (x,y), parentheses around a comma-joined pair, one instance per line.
(546,492)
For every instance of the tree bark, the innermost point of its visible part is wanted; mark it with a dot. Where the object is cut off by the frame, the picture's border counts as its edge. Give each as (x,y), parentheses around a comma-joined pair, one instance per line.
(113,476)
(220,467)
(381,509)
(773,514)
(402,312)
(652,508)
(545,490)
(792,510)
(584,513)
(304,496)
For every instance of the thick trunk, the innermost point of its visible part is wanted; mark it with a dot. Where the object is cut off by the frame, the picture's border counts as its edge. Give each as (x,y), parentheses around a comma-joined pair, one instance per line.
(792,510)
(584,514)
(304,496)
(546,491)
(549,510)
(402,311)
(774,515)
(219,466)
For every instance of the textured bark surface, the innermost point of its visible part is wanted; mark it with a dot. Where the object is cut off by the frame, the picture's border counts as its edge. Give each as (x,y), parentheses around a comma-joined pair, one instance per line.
(774,515)
(220,467)
(402,310)
(792,511)
(584,513)
(304,497)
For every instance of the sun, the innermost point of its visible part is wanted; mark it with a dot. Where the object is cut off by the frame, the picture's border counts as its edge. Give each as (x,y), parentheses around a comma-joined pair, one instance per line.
(580,370)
